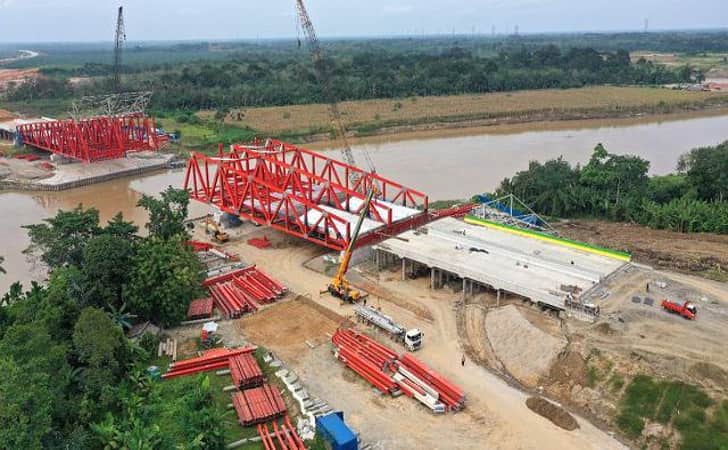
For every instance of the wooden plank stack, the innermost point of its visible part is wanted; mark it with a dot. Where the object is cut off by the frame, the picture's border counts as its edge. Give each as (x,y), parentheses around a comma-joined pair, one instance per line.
(168,348)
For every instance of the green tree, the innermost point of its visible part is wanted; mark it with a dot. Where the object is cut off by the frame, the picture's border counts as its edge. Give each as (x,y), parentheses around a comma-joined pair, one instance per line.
(107,262)
(26,406)
(707,171)
(121,228)
(165,276)
(61,239)
(102,351)
(167,215)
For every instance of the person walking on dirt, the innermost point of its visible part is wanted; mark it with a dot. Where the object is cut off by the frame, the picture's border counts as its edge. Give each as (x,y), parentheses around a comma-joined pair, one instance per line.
(647,287)
(462,361)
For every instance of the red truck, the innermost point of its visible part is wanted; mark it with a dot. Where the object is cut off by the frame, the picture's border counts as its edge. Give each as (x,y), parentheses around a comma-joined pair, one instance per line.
(687,309)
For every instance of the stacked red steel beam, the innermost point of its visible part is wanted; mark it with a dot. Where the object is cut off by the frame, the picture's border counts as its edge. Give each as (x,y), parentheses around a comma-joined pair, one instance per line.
(245,371)
(283,437)
(451,395)
(258,405)
(200,308)
(260,243)
(243,290)
(375,363)
(216,358)
(199,246)
(366,357)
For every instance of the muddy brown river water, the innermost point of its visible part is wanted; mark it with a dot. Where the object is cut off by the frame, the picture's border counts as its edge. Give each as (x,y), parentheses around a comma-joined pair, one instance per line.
(444,168)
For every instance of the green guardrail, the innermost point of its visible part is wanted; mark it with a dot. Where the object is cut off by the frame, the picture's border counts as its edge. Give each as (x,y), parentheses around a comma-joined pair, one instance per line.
(603,251)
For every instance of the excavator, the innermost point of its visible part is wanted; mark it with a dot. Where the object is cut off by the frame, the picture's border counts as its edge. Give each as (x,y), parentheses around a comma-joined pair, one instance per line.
(340,286)
(217,234)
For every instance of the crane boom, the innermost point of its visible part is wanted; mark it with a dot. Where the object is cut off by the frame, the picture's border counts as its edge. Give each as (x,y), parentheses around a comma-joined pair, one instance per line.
(322,75)
(119,40)
(339,286)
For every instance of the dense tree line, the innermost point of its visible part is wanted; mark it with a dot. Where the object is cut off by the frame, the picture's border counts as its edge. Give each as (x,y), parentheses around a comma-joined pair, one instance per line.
(264,79)
(71,379)
(617,187)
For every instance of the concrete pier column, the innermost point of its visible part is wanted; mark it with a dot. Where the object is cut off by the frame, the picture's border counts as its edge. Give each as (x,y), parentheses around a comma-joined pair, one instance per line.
(439,278)
(465,288)
(432,278)
(377,254)
(497,298)
(404,269)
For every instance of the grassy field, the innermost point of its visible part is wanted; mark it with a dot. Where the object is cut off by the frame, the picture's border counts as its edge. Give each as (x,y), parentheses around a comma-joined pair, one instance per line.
(373,116)
(701,421)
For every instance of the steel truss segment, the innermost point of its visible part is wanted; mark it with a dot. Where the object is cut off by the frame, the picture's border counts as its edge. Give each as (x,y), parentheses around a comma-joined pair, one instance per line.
(299,192)
(94,139)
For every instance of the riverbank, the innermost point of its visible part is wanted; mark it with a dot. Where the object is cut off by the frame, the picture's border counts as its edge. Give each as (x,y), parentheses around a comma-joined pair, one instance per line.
(466,113)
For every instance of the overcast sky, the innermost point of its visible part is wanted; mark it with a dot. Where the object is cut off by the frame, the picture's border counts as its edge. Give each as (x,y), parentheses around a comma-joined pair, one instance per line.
(93,20)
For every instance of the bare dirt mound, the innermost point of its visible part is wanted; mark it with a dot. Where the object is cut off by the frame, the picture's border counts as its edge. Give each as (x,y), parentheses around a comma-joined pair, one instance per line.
(556,414)
(526,351)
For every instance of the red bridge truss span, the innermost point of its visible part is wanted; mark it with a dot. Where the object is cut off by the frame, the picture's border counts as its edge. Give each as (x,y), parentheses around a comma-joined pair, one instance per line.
(94,139)
(303,193)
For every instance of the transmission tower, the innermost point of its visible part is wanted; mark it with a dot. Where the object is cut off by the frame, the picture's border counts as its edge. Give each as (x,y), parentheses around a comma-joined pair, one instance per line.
(119,44)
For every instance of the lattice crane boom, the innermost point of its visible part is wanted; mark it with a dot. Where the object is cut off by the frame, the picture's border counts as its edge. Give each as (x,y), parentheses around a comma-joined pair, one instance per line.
(322,75)
(118,47)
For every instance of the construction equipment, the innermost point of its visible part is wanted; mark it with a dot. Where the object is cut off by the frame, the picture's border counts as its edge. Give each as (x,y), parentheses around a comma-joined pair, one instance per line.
(687,310)
(411,339)
(339,286)
(118,48)
(213,228)
(323,77)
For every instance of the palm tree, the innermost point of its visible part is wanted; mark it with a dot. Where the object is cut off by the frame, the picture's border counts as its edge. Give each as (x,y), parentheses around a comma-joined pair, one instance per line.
(121,318)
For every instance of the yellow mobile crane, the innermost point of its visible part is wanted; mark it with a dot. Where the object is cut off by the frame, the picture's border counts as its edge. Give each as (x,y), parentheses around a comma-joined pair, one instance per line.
(339,286)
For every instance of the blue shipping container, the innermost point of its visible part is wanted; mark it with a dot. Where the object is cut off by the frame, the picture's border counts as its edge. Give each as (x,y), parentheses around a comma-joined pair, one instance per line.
(333,429)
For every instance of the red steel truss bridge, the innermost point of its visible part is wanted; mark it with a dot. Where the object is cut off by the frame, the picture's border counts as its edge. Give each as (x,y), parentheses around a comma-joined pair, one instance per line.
(94,139)
(303,193)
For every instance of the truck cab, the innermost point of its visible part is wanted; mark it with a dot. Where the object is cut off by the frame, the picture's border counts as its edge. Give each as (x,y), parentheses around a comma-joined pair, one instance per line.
(413,339)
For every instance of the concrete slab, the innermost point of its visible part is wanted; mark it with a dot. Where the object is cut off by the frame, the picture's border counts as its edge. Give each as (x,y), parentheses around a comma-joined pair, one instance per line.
(517,264)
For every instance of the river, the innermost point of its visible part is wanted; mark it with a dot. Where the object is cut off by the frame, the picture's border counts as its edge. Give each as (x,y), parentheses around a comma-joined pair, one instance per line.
(444,168)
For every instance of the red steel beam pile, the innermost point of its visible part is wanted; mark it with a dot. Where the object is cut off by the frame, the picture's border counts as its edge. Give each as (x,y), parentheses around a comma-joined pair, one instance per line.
(198,246)
(216,358)
(200,308)
(243,290)
(452,396)
(366,357)
(245,371)
(258,405)
(94,139)
(284,187)
(260,243)
(284,437)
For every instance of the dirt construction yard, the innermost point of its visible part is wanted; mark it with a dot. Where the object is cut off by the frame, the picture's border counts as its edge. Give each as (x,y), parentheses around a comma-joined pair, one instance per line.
(298,330)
